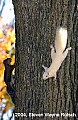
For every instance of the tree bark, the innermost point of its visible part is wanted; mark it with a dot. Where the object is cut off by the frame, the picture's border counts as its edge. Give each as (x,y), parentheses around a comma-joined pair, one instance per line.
(36,23)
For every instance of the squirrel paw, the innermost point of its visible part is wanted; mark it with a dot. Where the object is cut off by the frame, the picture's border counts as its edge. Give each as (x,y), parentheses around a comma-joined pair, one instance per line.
(51,46)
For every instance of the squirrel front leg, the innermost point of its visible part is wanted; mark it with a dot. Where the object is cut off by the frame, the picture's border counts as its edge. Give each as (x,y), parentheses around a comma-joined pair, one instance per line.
(55,76)
(45,68)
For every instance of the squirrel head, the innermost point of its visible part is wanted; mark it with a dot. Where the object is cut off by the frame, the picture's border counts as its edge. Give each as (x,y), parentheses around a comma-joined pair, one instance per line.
(45,75)
(7,61)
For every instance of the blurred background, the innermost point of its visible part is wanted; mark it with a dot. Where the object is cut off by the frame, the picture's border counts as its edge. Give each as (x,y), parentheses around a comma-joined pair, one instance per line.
(7,49)
(7,32)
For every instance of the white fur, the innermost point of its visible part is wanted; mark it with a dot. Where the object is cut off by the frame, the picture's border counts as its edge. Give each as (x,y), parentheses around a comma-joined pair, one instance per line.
(58,56)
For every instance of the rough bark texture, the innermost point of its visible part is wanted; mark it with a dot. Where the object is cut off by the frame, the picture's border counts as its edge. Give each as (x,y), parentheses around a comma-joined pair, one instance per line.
(36,23)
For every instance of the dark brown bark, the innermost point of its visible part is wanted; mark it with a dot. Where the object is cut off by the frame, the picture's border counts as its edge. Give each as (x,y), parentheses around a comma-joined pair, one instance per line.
(36,23)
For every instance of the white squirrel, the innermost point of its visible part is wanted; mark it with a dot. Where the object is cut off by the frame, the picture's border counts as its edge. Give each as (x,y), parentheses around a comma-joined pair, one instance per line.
(58,54)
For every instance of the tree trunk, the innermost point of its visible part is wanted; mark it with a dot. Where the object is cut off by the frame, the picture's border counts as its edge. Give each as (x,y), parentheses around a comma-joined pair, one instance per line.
(36,23)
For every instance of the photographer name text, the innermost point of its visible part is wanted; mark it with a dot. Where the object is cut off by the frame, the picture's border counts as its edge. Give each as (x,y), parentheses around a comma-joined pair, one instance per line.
(34,115)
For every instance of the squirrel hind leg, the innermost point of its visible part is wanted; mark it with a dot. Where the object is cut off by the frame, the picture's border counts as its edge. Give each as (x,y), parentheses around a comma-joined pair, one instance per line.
(69,48)
(52,51)
(66,52)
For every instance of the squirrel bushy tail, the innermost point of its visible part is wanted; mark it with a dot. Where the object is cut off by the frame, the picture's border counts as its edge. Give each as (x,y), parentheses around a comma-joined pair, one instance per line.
(60,39)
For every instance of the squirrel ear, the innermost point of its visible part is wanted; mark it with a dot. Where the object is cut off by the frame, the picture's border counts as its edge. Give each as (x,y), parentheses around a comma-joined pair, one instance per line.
(45,68)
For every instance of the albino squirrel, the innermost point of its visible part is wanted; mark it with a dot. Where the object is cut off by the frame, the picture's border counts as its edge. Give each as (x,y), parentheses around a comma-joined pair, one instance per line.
(58,54)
